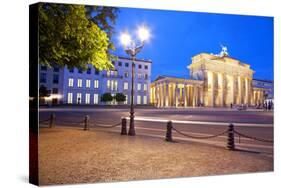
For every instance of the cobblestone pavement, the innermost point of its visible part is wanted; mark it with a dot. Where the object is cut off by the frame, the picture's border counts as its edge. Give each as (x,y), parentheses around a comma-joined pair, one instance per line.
(71,155)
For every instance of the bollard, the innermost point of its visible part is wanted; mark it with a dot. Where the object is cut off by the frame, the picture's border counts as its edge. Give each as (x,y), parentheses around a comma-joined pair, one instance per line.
(52,120)
(169,132)
(86,123)
(123,126)
(230,139)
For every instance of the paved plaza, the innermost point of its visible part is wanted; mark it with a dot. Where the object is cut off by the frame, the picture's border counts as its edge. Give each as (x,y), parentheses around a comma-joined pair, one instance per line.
(71,155)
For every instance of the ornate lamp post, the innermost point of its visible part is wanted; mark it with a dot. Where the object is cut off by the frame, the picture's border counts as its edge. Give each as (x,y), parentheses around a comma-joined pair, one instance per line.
(132,49)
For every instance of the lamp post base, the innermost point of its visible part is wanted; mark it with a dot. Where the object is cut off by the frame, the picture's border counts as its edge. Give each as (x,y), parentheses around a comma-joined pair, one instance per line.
(132,131)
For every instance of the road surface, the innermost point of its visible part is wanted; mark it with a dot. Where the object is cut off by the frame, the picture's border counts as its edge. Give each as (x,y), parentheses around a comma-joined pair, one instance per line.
(152,122)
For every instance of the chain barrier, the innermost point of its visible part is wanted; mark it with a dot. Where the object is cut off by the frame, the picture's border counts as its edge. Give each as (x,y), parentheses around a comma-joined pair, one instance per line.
(253,138)
(199,137)
(103,126)
(64,122)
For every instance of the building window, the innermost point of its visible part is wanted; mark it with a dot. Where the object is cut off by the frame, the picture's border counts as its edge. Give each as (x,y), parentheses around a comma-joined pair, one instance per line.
(114,73)
(126,64)
(112,85)
(69,98)
(96,84)
(146,76)
(55,78)
(144,99)
(43,67)
(88,83)
(108,84)
(126,100)
(126,85)
(70,82)
(79,83)
(146,67)
(43,77)
(78,98)
(138,99)
(126,74)
(145,87)
(87,98)
(139,86)
(56,68)
(55,91)
(139,76)
(139,66)
(71,70)
(97,72)
(96,98)
(120,64)
(89,70)
(80,70)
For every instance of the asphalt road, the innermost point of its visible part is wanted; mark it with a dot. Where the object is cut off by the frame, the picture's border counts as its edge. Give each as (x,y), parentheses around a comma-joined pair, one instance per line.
(152,122)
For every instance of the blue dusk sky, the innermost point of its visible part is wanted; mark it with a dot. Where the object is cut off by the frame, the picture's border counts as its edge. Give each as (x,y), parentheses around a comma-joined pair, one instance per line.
(179,35)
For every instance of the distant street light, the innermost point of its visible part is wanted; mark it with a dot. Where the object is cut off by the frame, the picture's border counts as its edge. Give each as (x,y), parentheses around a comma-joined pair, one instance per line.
(132,49)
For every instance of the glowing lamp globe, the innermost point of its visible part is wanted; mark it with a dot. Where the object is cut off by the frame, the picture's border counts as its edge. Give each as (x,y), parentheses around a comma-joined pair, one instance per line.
(143,34)
(125,39)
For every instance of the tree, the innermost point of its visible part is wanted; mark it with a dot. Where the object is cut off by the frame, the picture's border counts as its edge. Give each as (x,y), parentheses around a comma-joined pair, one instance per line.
(68,37)
(104,17)
(120,97)
(106,97)
(43,92)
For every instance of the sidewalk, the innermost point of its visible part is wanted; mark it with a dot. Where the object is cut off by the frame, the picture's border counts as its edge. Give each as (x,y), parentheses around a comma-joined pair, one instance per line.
(71,155)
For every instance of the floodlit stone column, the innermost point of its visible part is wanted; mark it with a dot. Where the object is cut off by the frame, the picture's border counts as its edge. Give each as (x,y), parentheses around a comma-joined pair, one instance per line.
(201,95)
(177,95)
(184,95)
(188,95)
(174,94)
(196,95)
(162,94)
(246,91)
(234,89)
(193,96)
(243,91)
(238,90)
(255,98)
(157,95)
(166,94)
(222,89)
(250,92)
(212,94)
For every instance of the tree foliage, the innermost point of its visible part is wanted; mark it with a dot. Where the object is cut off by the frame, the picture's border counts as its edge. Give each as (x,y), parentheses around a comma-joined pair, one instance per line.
(104,17)
(43,92)
(68,37)
(106,97)
(120,97)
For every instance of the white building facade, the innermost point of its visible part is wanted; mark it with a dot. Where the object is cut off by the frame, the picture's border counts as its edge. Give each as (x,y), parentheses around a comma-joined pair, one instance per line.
(73,86)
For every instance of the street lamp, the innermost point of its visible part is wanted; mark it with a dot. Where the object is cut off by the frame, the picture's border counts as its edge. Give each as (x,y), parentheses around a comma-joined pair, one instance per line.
(132,49)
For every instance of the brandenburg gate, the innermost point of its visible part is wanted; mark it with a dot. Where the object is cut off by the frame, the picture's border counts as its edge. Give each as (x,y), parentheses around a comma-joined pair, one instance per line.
(215,80)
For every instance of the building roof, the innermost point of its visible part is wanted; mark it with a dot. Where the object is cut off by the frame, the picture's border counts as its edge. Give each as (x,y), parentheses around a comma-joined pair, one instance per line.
(216,57)
(127,58)
(165,76)
(261,80)
(174,77)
